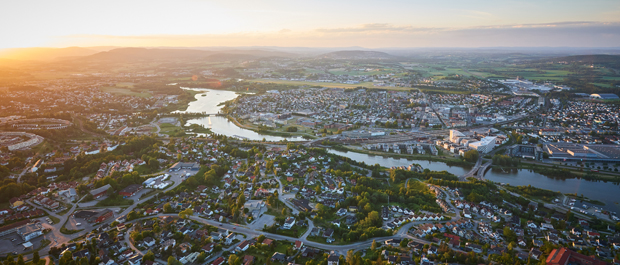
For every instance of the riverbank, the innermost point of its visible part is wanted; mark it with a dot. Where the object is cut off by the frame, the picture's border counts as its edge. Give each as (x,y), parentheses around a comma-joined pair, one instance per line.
(269,132)
(430,158)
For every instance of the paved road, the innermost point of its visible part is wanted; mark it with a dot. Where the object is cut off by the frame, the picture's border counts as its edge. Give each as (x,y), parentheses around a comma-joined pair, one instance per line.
(156,126)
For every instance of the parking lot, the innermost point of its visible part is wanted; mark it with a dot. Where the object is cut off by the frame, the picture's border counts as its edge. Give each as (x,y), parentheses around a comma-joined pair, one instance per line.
(13,243)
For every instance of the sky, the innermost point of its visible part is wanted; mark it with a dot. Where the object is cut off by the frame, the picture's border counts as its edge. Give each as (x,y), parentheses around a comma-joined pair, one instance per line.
(316,23)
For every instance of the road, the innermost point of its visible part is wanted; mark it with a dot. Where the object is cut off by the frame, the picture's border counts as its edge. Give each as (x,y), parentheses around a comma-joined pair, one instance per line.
(58,238)
(156,125)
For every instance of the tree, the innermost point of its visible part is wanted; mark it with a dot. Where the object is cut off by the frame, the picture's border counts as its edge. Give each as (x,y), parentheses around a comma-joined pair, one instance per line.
(167,208)
(35,258)
(260,238)
(373,246)
(173,261)
(148,256)
(403,243)
(234,260)
(471,155)
(132,215)
(185,214)
(350,257)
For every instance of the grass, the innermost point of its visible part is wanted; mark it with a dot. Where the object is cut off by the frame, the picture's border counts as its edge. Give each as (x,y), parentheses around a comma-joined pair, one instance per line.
(124,91)
(295,232)
(112,201)
(65,211)
(264,253)
(54,219)
(336,85)
(170,129)
(66,231)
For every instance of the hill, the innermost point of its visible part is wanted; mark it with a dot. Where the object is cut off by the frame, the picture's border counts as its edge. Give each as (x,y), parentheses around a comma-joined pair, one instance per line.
(44,54)
(358,55)
(170,54)
(612,61)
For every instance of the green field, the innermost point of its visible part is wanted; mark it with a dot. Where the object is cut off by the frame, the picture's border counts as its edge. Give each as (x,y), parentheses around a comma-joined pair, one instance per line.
(321,84)
(170,129)
(126,92)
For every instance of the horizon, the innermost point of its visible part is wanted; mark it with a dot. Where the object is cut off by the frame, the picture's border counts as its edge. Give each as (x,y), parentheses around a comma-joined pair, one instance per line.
(395,24)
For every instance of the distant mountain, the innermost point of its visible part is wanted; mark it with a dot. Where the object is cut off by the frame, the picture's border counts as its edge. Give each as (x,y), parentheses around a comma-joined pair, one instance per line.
(612,61)
(595,58)
(44,54)
(358,55)
(144,54)
(172,54)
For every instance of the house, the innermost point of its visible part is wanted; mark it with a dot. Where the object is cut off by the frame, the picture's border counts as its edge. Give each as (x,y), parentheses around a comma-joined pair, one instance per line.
(535,253)
(564,256)
(278,257)
(474,247)
(208,248)
(135,260)
(218,261)
(333,259)
(298,245)
(248,260)
(15,203)
(130,190)
(267,241)
(149,241)
(289,223)
(393,242)
(243,246)
(328,232)
(466,213)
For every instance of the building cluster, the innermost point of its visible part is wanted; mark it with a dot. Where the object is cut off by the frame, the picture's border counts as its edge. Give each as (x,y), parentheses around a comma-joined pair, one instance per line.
(107,169)
(86,99)
(482,140)
(329,107)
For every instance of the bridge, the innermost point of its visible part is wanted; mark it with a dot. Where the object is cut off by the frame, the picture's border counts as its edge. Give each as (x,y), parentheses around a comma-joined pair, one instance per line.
(477,171)
(483,169)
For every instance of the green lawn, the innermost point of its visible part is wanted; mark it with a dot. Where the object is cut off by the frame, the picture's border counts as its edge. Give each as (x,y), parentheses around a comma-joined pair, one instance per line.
(170,129)
(336,85)
(126,92)
(114,201)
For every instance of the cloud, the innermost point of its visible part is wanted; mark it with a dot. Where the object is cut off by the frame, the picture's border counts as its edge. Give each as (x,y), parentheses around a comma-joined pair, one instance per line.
(376,35)
(375,27)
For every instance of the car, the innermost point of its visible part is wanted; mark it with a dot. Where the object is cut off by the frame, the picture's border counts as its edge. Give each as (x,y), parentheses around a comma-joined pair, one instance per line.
(13,240)
(234,228)
(220,224)
(78,224)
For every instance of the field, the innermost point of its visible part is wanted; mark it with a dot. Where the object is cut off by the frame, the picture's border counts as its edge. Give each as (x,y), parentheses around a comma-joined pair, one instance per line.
(125,91)
(170,129)
(322,84)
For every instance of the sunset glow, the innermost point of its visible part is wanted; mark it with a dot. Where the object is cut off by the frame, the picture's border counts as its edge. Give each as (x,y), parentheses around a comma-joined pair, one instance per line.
(309,24)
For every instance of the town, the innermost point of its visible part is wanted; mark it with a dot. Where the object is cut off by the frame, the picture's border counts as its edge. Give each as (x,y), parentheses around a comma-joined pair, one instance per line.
(350,157)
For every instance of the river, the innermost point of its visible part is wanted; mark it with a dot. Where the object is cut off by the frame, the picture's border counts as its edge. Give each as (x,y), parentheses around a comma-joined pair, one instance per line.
(601,191)
(221,125)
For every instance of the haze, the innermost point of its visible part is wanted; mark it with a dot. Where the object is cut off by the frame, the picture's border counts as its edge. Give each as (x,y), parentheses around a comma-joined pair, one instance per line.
(370,24)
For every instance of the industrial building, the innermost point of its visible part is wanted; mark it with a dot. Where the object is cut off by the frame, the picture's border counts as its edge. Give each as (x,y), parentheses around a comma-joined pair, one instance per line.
(526,151)
(485,144)
(605,96)
(93,216)
(583,152)
(30,231)
(130,190)
(180,165)
(98,192)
